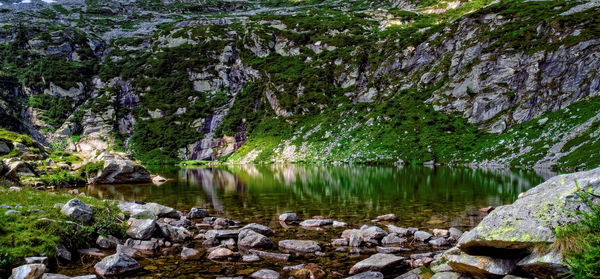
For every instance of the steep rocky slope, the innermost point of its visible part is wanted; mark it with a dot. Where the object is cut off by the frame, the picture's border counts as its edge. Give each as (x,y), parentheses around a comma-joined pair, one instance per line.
(476,82)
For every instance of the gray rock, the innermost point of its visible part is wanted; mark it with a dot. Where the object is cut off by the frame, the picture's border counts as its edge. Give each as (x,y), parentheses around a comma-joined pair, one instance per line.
(384,263)
(548,265)
(422,236)
(355,239)
(448,275)
(190,254)
(481,266)
(37,260)
(91,276)
(250,258)
(367,275)
(455,233)
(175,234)
(4,148)
(393,239)
(137,211)
(161,210)
(229,243)
(339,242)
(271,256)
(117,170)
(391,250)
(337,224)
(288,217)
(28,271)
(220,254)
(116,265)
(387,217)
(265,274)
(107,242)
(62,253)
(439,242)
(143,247)
(299,246)
(532,218)
(311,223)
(264,230)
(372,233)
(252,239)
(197,213)
(413,274)
(54,276)
(12,212)
(78,210)
(141,228)
(221,234)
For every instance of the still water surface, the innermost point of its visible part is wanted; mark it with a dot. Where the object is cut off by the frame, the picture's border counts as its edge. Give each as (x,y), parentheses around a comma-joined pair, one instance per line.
(421,197)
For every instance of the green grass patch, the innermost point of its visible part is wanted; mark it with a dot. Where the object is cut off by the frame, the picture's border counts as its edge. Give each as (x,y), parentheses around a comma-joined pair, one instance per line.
(27,234)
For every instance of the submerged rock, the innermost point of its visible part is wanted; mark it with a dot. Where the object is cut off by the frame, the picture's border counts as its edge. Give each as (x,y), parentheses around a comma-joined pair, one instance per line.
(116,265)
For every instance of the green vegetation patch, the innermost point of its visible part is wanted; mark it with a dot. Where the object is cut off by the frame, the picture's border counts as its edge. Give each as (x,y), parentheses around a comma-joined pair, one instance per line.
(29,233)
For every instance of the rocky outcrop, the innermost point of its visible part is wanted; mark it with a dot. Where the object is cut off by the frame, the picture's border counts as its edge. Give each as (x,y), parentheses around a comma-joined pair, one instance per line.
(505,241)
(118,169)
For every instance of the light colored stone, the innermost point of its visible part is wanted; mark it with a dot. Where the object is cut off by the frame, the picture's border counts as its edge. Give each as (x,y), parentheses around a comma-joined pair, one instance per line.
(384,263)
(116,265)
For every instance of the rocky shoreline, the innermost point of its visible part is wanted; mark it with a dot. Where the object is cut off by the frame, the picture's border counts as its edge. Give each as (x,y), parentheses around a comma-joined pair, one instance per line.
(504,244)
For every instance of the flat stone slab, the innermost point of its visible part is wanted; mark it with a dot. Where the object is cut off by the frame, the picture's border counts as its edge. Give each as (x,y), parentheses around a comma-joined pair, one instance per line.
(481,266)
(379,262)
(299,246)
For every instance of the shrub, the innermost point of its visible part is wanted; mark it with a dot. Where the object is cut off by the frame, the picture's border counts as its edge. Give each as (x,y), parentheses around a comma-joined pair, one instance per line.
(580,242)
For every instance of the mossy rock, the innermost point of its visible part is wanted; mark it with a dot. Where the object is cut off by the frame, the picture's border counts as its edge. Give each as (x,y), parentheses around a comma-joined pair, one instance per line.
(532,219)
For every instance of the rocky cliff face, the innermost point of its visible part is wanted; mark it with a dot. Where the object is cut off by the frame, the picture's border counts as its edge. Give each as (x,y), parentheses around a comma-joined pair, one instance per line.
(464,82)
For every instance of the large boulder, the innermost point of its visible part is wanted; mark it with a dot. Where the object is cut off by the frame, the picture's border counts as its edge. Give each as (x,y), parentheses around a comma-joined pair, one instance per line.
(116,265)
(384,263)
(118,169)
(511,230)
(78,210)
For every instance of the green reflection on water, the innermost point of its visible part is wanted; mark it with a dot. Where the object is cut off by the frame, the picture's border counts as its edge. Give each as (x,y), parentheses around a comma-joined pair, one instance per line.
(420,196)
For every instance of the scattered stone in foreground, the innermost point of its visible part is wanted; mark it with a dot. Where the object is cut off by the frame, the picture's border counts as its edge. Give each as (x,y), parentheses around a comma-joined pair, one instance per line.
(78,210)
(288,217)
(313,223)
(441,232)
(190,254)
(37,260)
(439,242)
(413,274)
(250,258)
(338,224)
(220,254)
(481,266)
(311,270)
(28,271)
(401,231)
(116,265)
(251,239)
(387,217)
(299,246)
(384,263)
(55,276)
(543,265)
(271,256)
(367,275)
(141,228)
(264,230)
(107,242)
(144,247)
(422,236)
(486,210)
(391,250)
(197,213)
(265,274)
(448,275)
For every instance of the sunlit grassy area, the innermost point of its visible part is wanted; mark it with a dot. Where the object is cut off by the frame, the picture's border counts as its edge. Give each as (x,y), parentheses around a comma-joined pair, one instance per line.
(32,232)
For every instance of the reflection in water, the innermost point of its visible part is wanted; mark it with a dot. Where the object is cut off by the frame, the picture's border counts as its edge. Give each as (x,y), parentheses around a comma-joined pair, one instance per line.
(420,196)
